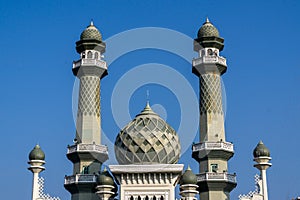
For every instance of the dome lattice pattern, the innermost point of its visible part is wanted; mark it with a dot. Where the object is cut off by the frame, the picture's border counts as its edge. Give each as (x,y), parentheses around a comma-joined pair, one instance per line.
(147,139)
(208,30)
(91,32)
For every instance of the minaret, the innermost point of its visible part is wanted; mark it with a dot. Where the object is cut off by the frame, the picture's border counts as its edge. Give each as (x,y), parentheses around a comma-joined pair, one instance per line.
(212,152)
(87,154)
(36,161)
(262,157)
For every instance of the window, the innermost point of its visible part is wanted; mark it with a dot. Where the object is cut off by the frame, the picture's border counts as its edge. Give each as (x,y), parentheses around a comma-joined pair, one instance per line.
(139,198)
(83,55)
(147,198)
(131,198)
(214,167)
(161,198)
(90,54)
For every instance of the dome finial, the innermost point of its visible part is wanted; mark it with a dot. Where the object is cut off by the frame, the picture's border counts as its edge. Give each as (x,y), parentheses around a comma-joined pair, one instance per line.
(207,20)
(92,22)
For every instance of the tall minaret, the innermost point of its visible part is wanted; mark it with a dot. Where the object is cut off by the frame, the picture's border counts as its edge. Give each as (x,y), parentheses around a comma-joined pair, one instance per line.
(262,157)
(212,152)
(87,154)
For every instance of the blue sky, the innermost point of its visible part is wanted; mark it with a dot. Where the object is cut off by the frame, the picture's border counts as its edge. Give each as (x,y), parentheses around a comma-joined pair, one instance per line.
(262,96)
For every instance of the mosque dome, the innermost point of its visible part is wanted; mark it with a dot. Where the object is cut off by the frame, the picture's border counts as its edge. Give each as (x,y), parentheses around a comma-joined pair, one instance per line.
(188,177)
(91,33)
(104,178)
(261,150)
(37,153)
(208,30)
(147,139)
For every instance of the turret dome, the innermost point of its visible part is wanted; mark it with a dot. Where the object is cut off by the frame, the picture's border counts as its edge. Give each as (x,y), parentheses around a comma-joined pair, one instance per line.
(37,153)
(147,139)
(188,177)
(104,178)
(208,30)
(91,33)
(261,150)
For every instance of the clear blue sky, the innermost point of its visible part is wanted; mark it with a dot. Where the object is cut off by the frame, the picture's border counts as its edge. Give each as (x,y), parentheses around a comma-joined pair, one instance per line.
(37,41)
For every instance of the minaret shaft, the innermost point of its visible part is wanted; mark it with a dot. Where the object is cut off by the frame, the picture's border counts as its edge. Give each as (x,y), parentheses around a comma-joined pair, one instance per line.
(211,108)
(88,124)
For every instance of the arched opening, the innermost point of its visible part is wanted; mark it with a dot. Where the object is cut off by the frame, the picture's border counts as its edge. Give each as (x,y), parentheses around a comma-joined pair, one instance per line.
(83,55)
(139,198)
(89,54)
(154,198)
(146,198)
(161,197)
(209,52)
(131,198)
(96,55)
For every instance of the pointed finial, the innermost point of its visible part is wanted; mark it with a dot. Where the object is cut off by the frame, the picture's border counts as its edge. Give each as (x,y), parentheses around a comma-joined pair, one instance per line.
(188,168)
(207,20)
(92,22)
(104,170)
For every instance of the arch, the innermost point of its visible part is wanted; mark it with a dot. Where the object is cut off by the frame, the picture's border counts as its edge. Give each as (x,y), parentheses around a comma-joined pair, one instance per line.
(89,54)
(131,198)
(154,198)
(161,197)
(96,55)
(147,198)
(139,198)
(209,52)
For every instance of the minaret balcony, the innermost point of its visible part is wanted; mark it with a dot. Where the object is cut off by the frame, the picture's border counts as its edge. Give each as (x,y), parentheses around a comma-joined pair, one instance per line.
(209,60)
(80,178)
(216,176)
(220,149)
(211,64)
(81,183)
(79,152)
(216,181)
(90,62)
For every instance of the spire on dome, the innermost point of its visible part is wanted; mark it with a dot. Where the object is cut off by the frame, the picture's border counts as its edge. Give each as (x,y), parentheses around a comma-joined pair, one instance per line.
(207,20)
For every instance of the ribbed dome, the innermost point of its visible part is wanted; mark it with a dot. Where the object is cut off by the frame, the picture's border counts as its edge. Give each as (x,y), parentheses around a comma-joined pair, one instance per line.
(188,177)
(37,153)
(91,32)
(261,150)
(208,30)
(105,178)
(147,139)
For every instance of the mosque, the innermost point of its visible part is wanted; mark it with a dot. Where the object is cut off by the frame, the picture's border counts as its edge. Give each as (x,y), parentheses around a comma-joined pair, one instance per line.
(148,148)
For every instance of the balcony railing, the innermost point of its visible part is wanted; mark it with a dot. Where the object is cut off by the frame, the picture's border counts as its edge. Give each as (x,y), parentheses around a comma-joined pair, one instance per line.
(215,176)
(87,148)
(209,60)
(213,146)
(80,178)
(89,61)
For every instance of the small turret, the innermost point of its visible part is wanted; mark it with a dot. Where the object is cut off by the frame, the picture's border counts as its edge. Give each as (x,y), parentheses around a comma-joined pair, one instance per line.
(188,185)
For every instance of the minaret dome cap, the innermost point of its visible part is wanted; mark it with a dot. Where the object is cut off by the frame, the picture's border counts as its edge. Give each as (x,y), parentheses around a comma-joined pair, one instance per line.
(208,30)
(104,178)
(37,153)
(91,33)
(188,177)
(261,150)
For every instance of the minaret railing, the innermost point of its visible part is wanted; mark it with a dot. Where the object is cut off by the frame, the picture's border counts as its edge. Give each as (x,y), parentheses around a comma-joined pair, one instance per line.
(87,147)
(216,176)
(213,146)
(80,178)
(90,61)
(209,59)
